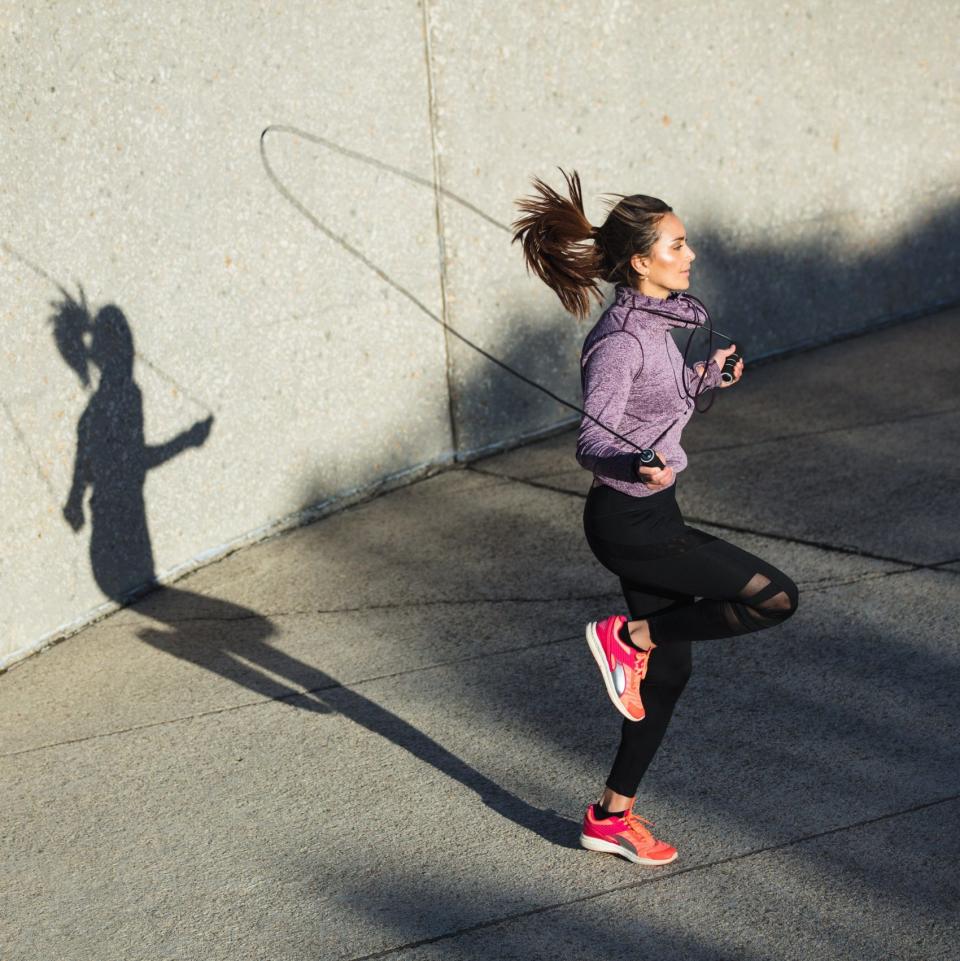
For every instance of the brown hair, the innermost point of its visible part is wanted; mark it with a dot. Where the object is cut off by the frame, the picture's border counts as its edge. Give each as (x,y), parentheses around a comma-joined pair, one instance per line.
(569,254)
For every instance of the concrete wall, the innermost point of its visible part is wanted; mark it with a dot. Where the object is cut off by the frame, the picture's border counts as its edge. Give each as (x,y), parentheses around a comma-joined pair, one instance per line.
(280,304)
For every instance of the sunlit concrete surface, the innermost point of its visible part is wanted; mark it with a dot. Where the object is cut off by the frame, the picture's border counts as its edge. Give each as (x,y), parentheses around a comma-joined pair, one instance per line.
(375,736)
(265,210)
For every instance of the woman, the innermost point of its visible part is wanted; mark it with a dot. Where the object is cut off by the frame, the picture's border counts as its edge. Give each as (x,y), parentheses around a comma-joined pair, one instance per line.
(680,584)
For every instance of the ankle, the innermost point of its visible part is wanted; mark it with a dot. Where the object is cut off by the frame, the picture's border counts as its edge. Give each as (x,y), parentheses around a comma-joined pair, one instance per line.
(612,803)
(639,635)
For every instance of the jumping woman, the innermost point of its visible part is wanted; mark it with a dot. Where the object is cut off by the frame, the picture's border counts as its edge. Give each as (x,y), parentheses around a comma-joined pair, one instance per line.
(680,584)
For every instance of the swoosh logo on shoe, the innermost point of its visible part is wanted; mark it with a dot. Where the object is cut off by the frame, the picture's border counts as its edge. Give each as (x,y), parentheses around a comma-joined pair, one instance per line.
(619,679)
(625,844)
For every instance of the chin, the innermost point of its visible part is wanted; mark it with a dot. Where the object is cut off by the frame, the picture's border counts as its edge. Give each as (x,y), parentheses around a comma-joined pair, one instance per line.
(682,283)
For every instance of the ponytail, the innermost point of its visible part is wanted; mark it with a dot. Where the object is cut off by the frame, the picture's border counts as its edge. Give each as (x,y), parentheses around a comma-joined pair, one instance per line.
(556,238)
(570,255)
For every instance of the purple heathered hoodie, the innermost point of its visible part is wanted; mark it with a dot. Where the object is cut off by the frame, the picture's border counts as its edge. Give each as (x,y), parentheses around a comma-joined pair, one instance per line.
(632,375)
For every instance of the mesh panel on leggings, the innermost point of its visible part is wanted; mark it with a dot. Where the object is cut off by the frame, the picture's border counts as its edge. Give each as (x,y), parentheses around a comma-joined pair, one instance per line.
(762,604)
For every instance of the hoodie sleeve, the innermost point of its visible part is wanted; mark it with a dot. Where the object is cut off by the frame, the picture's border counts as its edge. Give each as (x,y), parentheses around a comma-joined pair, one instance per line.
(607,376)
(692,375)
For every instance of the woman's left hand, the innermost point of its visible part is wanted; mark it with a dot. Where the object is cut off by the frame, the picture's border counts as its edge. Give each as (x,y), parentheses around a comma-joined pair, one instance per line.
(720,358)
(737,374)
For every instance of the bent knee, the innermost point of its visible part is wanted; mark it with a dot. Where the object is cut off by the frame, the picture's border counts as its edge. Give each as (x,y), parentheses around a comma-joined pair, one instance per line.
(784,603)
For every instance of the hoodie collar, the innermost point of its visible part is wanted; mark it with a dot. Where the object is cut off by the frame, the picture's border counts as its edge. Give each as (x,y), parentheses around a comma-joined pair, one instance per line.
(674,304)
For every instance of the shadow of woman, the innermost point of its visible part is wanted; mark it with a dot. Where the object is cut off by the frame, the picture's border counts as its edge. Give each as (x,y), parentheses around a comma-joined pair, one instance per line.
(111,455)
(113,458)
(230,641)
(227,639)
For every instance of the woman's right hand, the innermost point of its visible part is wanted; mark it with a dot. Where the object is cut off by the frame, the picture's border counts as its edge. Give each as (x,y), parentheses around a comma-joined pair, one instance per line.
(73,513)
(656,477)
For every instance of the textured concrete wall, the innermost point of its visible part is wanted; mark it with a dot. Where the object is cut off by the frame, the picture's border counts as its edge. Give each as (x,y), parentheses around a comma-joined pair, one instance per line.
(281,305)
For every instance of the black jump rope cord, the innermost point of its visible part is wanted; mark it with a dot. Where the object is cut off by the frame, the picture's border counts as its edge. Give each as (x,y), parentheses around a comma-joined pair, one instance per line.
(699,308)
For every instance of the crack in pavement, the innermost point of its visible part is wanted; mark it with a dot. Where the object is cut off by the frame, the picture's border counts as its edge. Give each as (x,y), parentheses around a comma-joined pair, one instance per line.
(662,879)
(819,587)
(808,586)
(399,605)
(769,535)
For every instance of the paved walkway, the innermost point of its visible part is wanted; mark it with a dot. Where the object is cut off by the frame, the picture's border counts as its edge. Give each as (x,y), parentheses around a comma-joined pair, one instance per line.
(375,736)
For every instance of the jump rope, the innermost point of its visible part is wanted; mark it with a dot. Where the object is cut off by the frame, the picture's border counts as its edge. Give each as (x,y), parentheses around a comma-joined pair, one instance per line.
(646,456)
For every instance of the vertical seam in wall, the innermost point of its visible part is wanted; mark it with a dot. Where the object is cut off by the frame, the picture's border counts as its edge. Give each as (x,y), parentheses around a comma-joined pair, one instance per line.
(438,214)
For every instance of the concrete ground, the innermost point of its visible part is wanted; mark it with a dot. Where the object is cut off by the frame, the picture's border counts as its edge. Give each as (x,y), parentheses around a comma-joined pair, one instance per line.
(376,736)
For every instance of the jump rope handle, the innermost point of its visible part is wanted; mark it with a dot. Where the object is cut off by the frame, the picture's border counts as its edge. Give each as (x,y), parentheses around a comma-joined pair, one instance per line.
(726,374)
(648,458)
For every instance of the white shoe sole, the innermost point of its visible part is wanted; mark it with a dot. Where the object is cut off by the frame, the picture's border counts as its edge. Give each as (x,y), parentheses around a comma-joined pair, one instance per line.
(596,649)
(608,847)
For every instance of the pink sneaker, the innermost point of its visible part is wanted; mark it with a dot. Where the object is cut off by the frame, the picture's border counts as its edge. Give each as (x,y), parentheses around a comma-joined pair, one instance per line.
(623,667)
(625,835)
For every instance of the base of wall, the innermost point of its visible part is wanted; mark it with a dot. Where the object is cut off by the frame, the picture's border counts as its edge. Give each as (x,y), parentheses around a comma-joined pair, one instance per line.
(299,518)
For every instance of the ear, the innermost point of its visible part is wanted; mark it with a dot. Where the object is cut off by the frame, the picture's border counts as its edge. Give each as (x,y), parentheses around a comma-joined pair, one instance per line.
(639,264)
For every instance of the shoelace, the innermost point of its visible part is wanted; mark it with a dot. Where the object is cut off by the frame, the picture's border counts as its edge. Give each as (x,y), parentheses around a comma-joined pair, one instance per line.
(634,819)
(641,662)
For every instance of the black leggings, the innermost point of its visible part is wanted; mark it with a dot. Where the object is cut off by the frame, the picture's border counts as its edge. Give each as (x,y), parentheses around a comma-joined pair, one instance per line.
(664,566)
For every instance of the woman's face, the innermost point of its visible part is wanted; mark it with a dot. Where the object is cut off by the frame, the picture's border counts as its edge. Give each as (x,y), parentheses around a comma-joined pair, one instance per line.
(667,266)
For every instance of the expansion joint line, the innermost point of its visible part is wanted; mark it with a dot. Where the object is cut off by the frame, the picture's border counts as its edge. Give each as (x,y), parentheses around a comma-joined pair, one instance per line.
(438,217)
(909,566)
(305,693)
(665,878)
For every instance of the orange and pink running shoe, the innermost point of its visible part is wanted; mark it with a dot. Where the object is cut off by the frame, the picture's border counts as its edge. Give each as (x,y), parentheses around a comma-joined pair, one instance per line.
(625,835)
(623,667)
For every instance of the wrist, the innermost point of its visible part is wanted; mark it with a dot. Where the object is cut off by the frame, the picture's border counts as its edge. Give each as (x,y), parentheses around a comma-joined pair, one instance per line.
(647,457)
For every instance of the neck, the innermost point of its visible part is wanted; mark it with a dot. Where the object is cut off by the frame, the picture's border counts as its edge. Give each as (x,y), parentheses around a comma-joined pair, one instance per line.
(650,289)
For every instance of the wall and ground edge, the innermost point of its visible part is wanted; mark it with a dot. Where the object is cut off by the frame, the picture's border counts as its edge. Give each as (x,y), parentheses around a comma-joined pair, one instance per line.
(285,360)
